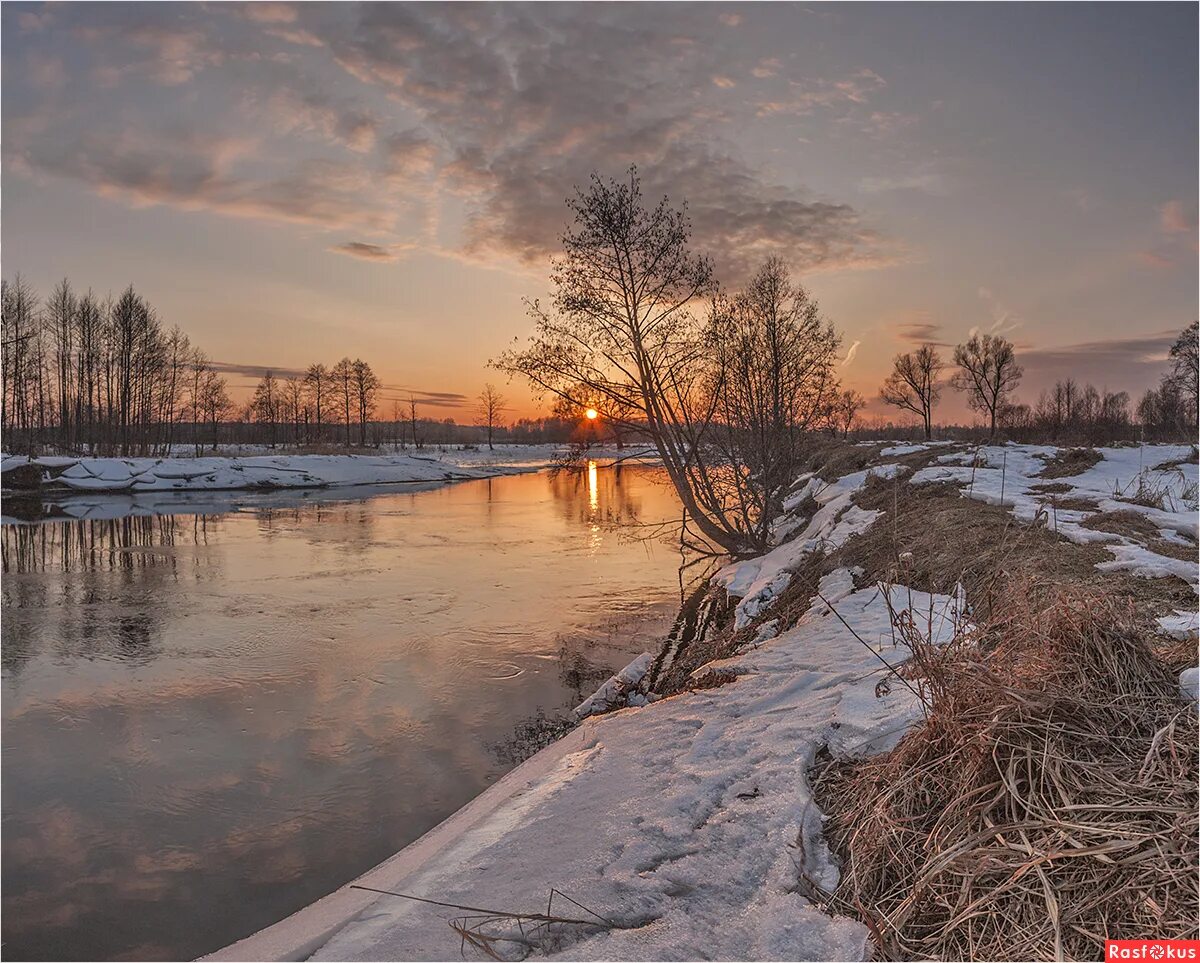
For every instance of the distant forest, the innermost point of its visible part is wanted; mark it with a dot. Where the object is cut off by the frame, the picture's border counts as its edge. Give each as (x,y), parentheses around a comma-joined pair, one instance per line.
(89,375)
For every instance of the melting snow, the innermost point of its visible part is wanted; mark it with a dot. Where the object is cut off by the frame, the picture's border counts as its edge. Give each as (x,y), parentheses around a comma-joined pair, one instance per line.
(688,821)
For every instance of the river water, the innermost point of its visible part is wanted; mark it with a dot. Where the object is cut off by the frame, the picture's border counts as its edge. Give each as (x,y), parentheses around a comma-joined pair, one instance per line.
(211,720)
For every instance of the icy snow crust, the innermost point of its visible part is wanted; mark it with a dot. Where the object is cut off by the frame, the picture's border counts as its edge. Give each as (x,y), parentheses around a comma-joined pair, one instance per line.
(689,821)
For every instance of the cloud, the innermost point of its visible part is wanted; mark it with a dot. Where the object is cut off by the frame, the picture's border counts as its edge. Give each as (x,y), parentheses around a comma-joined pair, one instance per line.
(731,19)
(1173,219)
(496,113)
(926,183)
(1004,321)
(806,96)
(767,67)
(340,124)
(850,354)
(365,251)
(920,332)
(1119,364)
(255,371)
(267,12)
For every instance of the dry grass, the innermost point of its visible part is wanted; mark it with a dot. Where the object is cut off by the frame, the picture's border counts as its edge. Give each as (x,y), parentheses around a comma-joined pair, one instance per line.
(1070,461)
(1189,459)
(932,537)
(1047,803)
(1138,528)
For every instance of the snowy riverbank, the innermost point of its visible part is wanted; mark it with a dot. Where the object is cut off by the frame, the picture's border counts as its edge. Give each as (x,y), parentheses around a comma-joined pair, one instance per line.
(64,476)
(688,824)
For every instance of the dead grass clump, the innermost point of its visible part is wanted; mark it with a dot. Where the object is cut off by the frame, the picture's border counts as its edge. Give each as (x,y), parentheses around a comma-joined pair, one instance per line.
(1047,803)
(1137,527)
(1189,459)
(1074,504)
(1070,461)
(833,457)
(1052,488)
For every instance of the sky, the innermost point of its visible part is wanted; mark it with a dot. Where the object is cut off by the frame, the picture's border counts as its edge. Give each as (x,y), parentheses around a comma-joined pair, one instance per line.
(293,183)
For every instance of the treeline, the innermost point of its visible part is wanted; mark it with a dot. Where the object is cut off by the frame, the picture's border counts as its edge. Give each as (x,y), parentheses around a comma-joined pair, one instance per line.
(986,369)
(104,376)
(323,404)
(100,375)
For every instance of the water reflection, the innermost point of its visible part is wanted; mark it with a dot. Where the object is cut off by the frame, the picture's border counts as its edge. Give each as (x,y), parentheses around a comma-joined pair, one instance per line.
(210,721)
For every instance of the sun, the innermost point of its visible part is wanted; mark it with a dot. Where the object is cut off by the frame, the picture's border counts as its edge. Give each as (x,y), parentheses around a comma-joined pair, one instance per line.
(591,414)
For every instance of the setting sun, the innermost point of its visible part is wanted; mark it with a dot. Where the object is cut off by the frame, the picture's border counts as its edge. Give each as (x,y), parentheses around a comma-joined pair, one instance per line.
(591,414)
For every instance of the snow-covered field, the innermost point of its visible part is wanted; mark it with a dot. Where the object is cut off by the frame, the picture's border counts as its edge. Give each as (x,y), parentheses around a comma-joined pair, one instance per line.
(689,822)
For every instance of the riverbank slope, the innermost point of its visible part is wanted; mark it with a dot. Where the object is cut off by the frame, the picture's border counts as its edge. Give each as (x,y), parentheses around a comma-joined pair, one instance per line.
(687,828)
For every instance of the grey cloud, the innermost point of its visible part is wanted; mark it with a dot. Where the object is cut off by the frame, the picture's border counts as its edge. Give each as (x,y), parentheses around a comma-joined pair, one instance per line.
(920,332)
(365,251)
(1119,364)
(514,105)
(255,371)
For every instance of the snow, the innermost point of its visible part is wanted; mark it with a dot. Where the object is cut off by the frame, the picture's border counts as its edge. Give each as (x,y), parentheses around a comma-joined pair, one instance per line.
(759,581)
(617,690)
(1180,625)
(1010,476)
(687,821)
(137,475)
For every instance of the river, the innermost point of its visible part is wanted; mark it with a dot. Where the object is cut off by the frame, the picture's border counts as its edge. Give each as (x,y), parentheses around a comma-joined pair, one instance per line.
(211,720)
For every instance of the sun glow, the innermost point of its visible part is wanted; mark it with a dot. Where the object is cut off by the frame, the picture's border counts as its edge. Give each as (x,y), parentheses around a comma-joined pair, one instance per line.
(591,414)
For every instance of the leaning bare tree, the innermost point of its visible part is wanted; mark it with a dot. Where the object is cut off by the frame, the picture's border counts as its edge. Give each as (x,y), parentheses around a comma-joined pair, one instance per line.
(491,406)
(988,372)
(773,384)
(913,384)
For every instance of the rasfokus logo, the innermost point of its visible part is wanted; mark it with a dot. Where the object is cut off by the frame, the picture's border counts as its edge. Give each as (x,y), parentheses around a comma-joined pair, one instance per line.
(1153,950)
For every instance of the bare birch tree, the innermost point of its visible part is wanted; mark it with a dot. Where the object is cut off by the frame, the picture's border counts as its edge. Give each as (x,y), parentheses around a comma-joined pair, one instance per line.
(365,386)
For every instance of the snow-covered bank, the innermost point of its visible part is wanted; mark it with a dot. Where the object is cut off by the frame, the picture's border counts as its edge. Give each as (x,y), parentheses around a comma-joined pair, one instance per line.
(65,476)
(687,822)
(137,475)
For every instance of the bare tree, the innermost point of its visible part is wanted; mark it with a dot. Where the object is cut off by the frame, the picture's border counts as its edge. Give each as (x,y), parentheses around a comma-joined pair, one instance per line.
(988,372)
(341,380)
(491,405)
(846,407)
(412,417)
(913,384)
(773,382)
(317,384)
(366,386)
(1185,369)
(264,406)
(620,330)
(295,405)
